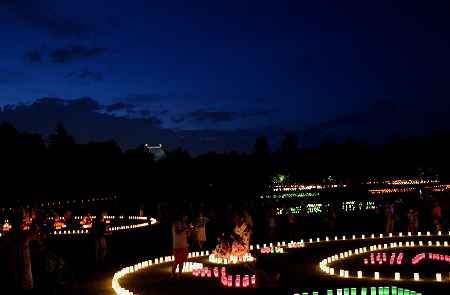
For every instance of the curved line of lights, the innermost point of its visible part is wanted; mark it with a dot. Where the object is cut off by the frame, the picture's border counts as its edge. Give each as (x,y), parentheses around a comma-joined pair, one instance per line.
(322,264)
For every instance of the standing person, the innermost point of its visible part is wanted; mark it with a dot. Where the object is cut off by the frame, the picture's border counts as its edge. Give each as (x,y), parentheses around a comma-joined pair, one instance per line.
(436,216)
(98,233)
(292,224)
(410,218)
(200,230)
(68,218)
(266,271)
(272,224)
(248,220)
(391,217)
(180,232)
(416,222)
(14,245)
(334,214)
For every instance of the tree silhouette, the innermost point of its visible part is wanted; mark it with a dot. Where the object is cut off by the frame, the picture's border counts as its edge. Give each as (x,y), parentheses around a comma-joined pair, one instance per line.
(61,141)
(261,148)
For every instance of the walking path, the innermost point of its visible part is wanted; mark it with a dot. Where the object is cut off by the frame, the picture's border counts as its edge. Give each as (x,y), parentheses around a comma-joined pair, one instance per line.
(300,267)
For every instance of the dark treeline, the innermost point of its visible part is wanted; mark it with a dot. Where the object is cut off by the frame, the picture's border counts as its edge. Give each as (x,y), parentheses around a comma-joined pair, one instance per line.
(35,169)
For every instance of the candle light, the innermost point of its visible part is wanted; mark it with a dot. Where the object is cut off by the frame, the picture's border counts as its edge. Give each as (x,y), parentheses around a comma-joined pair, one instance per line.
(237,281)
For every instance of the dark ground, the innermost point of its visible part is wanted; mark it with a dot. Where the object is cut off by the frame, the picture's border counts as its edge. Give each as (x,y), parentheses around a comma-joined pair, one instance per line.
(300,267)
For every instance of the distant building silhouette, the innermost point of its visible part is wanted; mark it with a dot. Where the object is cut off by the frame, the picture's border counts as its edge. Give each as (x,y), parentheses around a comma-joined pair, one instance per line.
(158,151)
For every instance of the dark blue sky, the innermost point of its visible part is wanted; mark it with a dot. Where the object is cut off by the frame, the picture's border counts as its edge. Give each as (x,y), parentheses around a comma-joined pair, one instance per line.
(215,75)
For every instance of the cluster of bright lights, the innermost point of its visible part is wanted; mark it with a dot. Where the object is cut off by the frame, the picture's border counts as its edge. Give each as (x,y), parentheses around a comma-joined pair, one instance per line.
(271,250)
(382,257)
(197,269)
(345,273)
(302,187)
(116,228)
(227,280)
(51,204)
(232,259)
(293,244)
(432,256)
(385,290)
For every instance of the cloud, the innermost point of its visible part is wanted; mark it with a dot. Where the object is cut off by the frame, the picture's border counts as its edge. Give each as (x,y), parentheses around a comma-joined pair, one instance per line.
(77,52)
(38,14)
(211,116)
(88,120)
(374,111)
(10,77)
(32,56)
(91,75)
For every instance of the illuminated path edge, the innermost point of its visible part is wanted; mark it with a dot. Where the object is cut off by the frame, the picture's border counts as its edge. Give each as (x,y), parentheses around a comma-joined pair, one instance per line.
(322,264)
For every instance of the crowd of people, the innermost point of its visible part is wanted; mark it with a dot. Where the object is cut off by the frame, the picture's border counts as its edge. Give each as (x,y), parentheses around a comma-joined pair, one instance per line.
(225,227)
(28,266)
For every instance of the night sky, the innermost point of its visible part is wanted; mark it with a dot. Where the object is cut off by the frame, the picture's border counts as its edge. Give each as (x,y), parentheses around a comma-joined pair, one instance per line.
(215,75)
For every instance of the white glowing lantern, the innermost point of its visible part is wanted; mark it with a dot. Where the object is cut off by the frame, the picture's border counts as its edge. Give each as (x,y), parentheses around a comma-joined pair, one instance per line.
(377,275)
(346,274)
(438,277)
(416,276)
(341,272)
(397,276)
(331,271)
(359,274)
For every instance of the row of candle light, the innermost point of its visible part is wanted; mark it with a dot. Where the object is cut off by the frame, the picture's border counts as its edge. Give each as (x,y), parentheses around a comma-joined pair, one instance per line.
(433,256)
(121,291)
(246,280)
(384,290)
(226,280)
(345,273)
(380,258)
